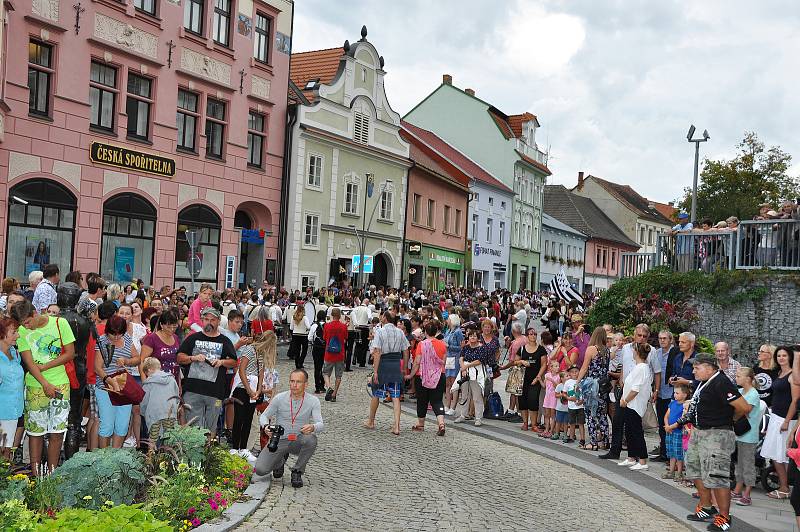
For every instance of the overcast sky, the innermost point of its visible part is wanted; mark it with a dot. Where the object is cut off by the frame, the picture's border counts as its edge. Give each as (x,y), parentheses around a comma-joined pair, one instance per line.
(615,84)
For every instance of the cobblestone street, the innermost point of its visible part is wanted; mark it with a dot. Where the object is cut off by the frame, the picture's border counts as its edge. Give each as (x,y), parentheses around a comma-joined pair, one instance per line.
(373,480)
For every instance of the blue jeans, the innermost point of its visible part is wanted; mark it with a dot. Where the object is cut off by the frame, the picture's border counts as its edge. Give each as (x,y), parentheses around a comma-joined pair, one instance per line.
(114,420)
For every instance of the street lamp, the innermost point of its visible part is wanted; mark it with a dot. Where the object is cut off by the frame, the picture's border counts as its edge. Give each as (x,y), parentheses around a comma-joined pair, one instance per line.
(696,165)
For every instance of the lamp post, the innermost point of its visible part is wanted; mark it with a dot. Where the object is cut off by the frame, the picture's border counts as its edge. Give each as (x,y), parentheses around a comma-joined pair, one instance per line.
(696,165)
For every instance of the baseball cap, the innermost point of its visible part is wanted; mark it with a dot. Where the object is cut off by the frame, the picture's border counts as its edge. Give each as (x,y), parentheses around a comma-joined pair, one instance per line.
(682,215)
(705,358)
(212,311)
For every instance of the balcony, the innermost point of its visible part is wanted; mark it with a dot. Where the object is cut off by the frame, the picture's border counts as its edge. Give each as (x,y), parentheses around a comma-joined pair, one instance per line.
(531,151)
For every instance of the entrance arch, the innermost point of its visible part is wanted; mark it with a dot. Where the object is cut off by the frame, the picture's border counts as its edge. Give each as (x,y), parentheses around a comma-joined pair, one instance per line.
(253,217)
(383,270)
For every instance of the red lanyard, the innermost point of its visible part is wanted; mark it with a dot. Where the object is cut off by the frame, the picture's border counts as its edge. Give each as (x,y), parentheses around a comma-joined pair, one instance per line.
(291,408)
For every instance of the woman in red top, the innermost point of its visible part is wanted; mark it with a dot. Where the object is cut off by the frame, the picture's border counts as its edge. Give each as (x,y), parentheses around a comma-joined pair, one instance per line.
(429,357)
(564,352)
(261,323)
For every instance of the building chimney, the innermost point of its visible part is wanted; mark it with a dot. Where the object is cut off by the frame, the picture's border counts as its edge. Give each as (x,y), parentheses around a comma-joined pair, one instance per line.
(671,204)
(580,180)
(471,92)
(447,79)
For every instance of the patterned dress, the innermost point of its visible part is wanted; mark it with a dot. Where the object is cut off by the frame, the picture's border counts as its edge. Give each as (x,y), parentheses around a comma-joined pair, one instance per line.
(597,424)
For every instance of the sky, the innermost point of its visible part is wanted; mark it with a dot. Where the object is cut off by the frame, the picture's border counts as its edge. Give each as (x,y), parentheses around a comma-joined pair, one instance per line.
(615,84)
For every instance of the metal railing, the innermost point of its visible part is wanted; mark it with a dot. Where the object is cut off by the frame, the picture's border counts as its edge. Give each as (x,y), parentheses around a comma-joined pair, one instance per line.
(754,244)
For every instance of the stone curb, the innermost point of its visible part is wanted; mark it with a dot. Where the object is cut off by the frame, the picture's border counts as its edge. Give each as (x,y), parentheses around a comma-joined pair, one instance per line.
(236,514)
(642,493)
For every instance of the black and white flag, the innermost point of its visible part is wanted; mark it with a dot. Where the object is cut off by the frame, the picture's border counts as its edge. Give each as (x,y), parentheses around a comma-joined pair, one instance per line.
(561,287)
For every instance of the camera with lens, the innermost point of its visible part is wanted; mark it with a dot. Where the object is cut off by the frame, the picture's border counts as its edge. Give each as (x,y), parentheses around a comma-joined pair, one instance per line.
(463,379)
(276,431)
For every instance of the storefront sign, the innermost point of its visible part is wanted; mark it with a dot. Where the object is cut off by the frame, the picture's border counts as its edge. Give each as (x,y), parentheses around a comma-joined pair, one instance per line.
(487,251)
(253,236)
(356,261)
(414,248)
(445,259)
(131,160)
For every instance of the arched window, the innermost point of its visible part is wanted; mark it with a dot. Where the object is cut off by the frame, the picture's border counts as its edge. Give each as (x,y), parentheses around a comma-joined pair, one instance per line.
(208,225)
(129,228)
(41,227)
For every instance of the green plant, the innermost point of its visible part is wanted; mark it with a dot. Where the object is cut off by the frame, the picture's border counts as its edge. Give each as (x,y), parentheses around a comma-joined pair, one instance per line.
(123,518)
(44,495)
(704,345)
(186,496)
(14,487)
(108,474)
(230,470)
(14,515)
(187,442)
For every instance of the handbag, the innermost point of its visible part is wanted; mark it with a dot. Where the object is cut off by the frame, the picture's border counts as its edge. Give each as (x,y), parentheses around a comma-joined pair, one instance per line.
(741,426)
(130,392)
(515,379)
(650,419)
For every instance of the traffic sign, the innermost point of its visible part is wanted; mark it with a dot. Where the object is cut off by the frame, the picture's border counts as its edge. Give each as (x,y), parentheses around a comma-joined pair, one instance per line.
(194,263)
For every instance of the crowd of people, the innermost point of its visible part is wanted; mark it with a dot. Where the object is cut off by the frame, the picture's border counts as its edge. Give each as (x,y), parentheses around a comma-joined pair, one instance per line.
(210,359)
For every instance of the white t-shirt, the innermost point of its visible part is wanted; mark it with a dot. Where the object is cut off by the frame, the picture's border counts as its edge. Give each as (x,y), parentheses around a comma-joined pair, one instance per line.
(640,379)
(521,317)
(569,387)
(560,407)
(628,361)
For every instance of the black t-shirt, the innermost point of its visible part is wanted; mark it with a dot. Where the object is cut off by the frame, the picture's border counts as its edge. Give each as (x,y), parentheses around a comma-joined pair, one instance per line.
(536,362)
(714,408)
(201,377)
(763,382)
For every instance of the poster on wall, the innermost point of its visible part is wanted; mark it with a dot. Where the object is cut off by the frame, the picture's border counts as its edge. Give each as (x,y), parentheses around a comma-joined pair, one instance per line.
(37,253)
(123,264)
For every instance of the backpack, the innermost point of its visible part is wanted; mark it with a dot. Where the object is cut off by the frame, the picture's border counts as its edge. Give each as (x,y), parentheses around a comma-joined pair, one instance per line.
(430,366)
(494,406)
(334,345)
(319,340)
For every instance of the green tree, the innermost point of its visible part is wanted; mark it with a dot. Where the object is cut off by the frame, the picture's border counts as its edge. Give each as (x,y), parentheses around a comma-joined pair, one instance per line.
(736,187)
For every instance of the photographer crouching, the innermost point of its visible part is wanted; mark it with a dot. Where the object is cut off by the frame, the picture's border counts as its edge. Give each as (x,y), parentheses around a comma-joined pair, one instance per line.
(291,422)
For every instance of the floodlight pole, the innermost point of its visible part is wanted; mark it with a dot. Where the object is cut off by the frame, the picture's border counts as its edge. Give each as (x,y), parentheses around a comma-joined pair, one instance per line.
(696,168)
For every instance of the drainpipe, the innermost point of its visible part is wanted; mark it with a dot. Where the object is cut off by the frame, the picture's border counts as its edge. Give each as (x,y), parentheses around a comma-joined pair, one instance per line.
(291,118)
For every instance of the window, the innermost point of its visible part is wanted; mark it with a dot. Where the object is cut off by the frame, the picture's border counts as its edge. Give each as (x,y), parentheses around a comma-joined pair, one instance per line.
(102,95)
(491,202)
(431,210)
(311,232)
(187,119)
(308,281)
(193,15)
(516,232)
(458,222)
(604,255)
(222,22)
(446,226)
(489,222)
(546,247)
(138,106)
(40,75)
(560,251)
(215,128)
(387,203)
(146,6)
(314,171)
(261,46)
(208,225)
(351,196)
(415,208)
(641,235)
(613,259)
(474,227)
(361,128)
(524,242)
(476,196)
(650,237)
(129,221)
(255,139)
(501,238)
(597,257)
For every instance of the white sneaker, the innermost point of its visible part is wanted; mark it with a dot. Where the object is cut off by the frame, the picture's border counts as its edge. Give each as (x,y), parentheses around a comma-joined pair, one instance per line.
(234,451)
(627,462)
(129,442)
(478,423)
(247,455)
(639,467)
(450,412)
(459,419)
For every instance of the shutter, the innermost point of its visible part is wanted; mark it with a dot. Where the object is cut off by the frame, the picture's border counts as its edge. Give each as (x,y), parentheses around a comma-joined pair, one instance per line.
(361,128)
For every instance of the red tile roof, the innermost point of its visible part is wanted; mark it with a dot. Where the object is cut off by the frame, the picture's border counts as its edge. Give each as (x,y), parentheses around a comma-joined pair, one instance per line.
(516,121)
(666,210)
(316,64)
(533,162)
(501,122)
(453,156)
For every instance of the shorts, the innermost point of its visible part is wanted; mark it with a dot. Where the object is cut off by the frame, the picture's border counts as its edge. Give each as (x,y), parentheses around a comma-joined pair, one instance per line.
(8,428)
(44,415)
(746,463)
(114,420)
(577,416)
(674,444)
(330,367)
(391,389)
(203,410)
(562,416)
(709,457)
(93,411)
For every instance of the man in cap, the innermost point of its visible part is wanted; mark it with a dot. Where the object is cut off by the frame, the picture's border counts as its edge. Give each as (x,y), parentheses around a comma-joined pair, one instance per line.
(684,243)
(715,405)
(205,357)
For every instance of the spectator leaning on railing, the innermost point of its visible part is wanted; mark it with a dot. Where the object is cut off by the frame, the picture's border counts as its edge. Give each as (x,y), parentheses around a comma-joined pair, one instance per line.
(683,247)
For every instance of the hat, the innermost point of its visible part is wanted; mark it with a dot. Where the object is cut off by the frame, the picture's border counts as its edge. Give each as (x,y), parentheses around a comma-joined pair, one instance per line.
(682,215)
(721,225)
(210,310)
(772,214)
(576,367)
(705,358)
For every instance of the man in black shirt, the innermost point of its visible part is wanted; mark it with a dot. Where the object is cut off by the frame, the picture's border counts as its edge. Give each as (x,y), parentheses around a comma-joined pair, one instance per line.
(715,405)
(205,357)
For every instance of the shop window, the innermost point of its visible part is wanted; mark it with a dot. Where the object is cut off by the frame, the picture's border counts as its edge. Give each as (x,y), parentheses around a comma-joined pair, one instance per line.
(208,226)
(129,228)
(41,227)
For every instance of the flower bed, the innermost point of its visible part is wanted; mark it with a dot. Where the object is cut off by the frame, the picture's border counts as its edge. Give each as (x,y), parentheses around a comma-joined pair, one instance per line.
(180,486)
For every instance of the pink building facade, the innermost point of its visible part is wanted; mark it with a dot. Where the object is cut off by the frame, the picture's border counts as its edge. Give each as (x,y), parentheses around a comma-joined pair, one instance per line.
(140,121)
(602,263)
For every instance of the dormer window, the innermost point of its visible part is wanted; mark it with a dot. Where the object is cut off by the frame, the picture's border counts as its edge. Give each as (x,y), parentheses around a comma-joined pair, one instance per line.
(311,84)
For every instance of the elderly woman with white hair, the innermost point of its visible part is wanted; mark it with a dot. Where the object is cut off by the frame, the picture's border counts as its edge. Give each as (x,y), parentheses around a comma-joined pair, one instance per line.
(454,338)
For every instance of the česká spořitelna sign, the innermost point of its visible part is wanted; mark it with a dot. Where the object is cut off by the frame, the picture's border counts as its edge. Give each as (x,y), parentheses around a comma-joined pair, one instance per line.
(132,160)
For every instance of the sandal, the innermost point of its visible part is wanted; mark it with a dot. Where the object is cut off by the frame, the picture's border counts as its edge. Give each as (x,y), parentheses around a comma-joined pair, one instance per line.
(396,432)
(441,430)
(524,426)
(777,494)
(417,428)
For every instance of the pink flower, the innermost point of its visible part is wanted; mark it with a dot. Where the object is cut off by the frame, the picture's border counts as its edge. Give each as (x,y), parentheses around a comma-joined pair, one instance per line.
(213,504)
(195,522)
(223,502)
(217,495)
(191,510)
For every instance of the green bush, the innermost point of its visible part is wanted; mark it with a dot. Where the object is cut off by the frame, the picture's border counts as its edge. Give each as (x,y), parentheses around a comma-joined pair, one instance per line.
(44,495)
(14,515)
(186,496)
(230,470)
(187,442)
(91,479)
(117,518)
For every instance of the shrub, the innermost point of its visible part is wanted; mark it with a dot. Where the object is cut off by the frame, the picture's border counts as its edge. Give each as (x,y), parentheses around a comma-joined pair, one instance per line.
(90,479)
(187,442)
(14,515)
(230,470)
(186,497)
(44,495)
(122,517)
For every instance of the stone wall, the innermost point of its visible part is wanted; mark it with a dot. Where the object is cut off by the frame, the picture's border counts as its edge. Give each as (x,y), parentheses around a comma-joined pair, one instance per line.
(774,319)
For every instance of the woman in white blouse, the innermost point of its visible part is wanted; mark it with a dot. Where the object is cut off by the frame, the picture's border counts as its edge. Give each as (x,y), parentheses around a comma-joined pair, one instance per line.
(635,393)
